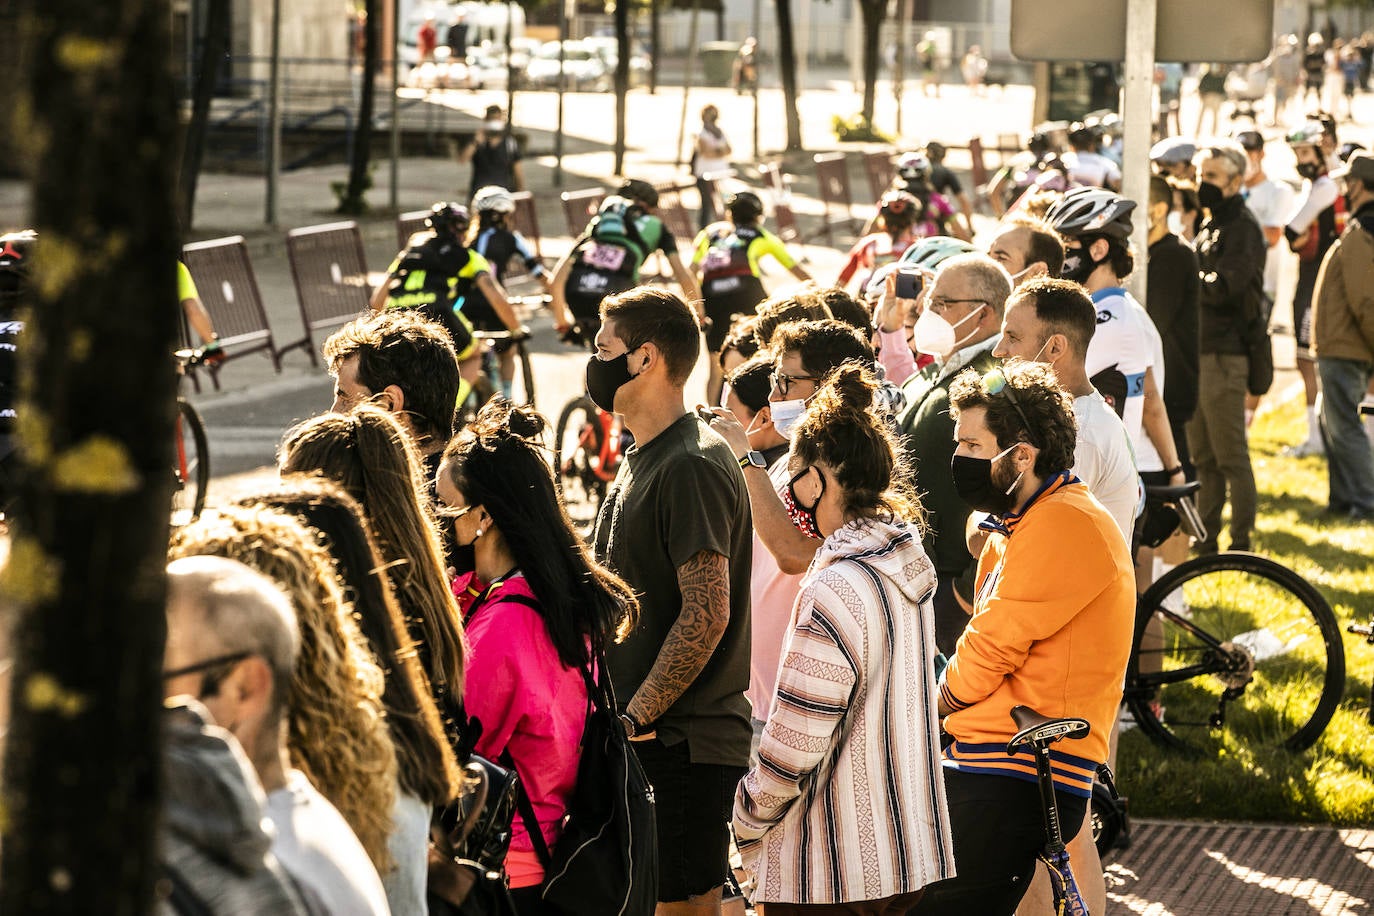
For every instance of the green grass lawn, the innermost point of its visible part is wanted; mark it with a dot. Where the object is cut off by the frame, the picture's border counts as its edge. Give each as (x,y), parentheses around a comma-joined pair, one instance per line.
(1239,779)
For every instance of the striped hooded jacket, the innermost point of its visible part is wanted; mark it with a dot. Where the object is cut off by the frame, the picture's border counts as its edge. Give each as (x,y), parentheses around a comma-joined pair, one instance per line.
(847,802)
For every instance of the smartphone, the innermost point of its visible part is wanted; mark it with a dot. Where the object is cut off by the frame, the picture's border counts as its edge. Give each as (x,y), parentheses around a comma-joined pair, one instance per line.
(909,281)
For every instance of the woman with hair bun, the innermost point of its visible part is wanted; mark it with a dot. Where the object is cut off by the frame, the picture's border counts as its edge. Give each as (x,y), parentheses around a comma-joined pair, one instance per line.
(851,746)
(543,614)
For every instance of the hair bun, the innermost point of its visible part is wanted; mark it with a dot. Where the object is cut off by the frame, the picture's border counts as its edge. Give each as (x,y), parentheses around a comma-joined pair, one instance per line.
(526,422)
(854,386)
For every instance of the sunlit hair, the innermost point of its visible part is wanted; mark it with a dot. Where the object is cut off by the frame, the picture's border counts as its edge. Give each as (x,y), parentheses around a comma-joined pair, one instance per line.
(497,463)
(425,764)
(337,733)
(367,453)
(841,430)
(798,304)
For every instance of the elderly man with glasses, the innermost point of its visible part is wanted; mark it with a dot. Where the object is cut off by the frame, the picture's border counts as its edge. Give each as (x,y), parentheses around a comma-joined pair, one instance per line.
(960,324)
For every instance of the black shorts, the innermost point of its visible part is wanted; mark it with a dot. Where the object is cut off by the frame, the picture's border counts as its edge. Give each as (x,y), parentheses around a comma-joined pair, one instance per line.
(998,826)
(693,803)
(722,308)
(586,287)
(1302,306)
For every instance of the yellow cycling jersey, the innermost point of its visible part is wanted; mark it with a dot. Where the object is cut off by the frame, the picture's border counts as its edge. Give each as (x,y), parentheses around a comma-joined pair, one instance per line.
(724,249)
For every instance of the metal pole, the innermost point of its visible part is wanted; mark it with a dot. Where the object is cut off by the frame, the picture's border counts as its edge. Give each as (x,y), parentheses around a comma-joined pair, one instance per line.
(903,43)
(274,116)
(558,136)
(510,70)
(687,79)
(1135,156)
(395,46)
(758,72)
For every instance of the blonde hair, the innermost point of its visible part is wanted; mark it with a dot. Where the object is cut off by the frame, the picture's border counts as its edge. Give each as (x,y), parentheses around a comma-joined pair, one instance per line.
(337,733)
(368,454)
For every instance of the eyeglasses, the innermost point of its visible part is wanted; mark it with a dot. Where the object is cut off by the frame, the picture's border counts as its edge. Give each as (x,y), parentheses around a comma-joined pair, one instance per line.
(782,382)
(216,670)
(941,304)
(995,383)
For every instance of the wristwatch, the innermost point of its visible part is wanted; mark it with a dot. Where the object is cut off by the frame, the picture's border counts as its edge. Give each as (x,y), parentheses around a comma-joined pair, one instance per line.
(753,458)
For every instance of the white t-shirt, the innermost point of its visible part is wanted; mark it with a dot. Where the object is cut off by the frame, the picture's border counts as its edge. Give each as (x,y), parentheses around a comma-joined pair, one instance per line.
(1091,168)
(1272,203)
(317,847)
(711,152)
(1127,339)
(1103,460)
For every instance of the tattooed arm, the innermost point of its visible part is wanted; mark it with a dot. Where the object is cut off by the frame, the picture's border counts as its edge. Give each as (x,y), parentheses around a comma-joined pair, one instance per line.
(705,584)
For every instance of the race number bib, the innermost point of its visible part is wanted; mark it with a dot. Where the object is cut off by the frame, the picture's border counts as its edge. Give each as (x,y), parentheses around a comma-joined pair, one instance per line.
(603,257)
(717,258)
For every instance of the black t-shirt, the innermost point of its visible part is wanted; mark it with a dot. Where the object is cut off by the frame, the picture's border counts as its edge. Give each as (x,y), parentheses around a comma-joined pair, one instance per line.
(493,163)
(676,495)
(1172,302)
(944,180)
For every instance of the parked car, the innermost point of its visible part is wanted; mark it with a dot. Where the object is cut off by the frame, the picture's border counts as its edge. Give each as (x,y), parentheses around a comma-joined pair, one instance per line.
(583,70)
(607,50)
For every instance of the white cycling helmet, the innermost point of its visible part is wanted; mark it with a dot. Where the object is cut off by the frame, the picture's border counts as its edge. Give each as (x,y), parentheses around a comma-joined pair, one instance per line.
(1173,151)
(1092,211)
(913,166)
(931,252)
(493,199)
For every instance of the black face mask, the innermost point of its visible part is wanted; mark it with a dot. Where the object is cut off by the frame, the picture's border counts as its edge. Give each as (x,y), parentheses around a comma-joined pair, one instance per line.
(1209,195)
(973,482)
(1078,265)
(1310,170)
(605,378)
(463,558)
(803,517)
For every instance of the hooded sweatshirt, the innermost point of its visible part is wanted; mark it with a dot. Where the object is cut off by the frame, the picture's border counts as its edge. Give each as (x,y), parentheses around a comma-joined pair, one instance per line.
(849,758)
(214,847)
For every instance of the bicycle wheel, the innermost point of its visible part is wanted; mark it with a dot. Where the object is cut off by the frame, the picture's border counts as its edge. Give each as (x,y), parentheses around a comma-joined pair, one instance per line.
(190,465)
(1235,642)
(577,443)
(522,355)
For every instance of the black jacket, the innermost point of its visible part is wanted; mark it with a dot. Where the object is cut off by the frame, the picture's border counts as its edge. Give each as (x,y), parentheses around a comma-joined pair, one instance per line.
(1230,252)
(1171,300)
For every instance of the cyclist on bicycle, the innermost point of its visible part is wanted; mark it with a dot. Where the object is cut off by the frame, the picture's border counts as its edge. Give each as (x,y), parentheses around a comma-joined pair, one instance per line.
(1058,644)
(726,254)
(198,318)
(499,244)
(438,274)
(607,258)
(16,253)
(893,235)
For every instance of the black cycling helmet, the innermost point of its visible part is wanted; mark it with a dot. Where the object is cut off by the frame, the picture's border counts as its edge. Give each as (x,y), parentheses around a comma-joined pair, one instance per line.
(450,218)
(16,255)
(744,206)
(1092,211)
(640,191)
(1348,149)
(898,208)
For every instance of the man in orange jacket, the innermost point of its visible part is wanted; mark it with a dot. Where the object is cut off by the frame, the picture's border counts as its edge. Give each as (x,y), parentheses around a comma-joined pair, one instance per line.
(1051,629)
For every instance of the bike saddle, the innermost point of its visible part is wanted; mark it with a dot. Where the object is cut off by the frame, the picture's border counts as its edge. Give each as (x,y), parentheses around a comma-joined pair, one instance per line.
(1043,731)
(1171,494)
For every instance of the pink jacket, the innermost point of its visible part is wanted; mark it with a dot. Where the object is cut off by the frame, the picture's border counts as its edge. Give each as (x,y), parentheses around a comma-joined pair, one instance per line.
(530,704)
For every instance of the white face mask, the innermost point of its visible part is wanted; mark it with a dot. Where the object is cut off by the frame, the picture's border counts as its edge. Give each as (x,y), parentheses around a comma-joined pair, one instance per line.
(786,414)
(1174,221)
(495,127)
(934,335)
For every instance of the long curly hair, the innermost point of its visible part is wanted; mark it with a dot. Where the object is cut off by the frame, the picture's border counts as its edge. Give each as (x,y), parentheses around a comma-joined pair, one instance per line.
(336,725)
(368,454)
(427,769)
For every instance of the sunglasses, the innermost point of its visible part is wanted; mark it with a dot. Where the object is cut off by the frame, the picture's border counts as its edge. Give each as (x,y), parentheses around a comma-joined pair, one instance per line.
(995,383)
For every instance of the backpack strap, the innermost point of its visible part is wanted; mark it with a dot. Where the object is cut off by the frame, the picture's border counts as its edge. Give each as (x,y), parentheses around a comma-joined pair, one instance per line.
(526,809)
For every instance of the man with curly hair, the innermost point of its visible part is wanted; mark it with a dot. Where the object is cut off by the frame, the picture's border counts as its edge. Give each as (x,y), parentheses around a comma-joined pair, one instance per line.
(1056,643)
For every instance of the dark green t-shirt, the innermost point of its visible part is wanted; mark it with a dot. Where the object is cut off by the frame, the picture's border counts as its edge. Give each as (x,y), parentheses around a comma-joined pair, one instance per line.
(676,495)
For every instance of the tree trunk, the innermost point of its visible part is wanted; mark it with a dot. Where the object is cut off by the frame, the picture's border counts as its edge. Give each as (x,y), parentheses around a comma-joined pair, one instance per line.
(654,39)
(622,78)
(353,201)
(97,401)
(215,47)
(787,69)
(873,12)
